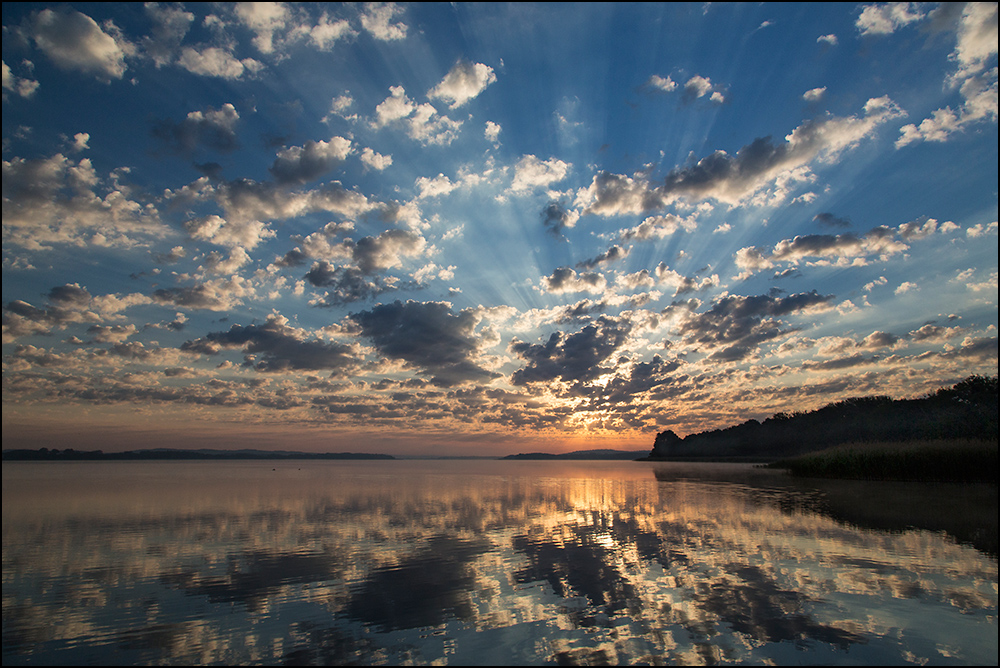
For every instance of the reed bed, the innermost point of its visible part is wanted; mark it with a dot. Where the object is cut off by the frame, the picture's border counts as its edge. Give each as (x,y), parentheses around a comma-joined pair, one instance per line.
(947,460)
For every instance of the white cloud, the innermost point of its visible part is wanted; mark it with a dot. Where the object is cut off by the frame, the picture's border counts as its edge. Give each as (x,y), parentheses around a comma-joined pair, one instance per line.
(462,83)
(377,18)
(814,94)
(246,234)
(979,230)
(23,87)
(698,86)
(264,19)
(530,172)
(830,39)
(976,45)
(325,33)
(887,18)
(435,187)
(80,140)
(56,200)
(395,107)
(375,160)
(665,84)
(215,62)
(492,132)
(74,41)
(722,229)
(906,286)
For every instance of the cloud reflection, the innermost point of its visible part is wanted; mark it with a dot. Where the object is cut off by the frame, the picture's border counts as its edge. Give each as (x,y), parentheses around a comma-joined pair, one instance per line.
(469,562)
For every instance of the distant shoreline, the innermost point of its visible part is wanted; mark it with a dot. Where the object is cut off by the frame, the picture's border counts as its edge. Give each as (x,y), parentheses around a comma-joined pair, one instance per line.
(161,454)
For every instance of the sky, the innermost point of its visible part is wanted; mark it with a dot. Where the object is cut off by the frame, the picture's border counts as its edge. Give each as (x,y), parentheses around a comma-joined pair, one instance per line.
(482,229)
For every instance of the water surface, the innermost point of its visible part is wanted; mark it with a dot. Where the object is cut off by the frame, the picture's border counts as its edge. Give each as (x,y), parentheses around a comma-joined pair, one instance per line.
(489,563)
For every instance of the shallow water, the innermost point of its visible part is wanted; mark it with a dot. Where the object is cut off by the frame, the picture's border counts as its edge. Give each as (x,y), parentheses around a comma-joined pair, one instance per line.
(484,562)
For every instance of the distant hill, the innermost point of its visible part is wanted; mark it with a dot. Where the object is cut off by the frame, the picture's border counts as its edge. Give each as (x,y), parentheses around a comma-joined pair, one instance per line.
(583,454)
(965,410)
(69,454)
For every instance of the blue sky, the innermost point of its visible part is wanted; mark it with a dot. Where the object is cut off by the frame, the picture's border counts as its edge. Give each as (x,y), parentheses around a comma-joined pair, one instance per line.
(483,229)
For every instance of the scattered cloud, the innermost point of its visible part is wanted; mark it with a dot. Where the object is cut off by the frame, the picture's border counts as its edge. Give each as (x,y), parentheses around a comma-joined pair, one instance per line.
(74,41)
(463,82)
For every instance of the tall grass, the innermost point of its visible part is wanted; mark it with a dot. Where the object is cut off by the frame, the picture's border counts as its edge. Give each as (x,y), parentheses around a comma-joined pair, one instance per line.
(958,460)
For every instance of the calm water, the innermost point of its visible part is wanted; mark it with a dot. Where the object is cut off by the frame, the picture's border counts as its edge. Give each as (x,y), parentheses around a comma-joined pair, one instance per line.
(488,562)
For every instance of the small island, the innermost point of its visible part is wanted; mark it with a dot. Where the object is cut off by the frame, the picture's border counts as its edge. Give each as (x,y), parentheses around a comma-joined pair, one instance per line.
(947,435)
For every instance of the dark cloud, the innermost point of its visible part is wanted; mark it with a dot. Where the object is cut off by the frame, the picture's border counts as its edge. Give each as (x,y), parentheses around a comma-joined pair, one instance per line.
(69,296)
(212,129)
(274,346)
(429,336)
(556,218)
(830,220)
(577,357)
(611,255)
(301,164)
(736,325)
(564,279)
(347,284)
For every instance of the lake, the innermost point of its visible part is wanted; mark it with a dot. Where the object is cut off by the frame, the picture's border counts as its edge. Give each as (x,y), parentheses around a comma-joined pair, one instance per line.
(481,562)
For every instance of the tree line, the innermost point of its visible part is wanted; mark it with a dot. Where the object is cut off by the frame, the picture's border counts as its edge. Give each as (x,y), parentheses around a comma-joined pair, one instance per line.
(967,410)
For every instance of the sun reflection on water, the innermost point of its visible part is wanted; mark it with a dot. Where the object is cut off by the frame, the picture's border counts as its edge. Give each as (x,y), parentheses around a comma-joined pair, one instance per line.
(468,563)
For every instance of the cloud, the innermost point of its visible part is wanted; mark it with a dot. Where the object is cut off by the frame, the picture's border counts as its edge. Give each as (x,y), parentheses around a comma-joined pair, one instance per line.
(829,220)
(375,160)
(301,164)
(220,294)
(699,86)
(434,187)
(979,230)
(573,358)
(74,41)
(245,199)
(613,254)
(243,233)
(22,86)
(55,200)
(531,173)
(760,164)
(492,132)
(761,172)
(564,280)
(264,19)
(428,336)
(367,258)
(658,227)
(556,218)
(386,251)
(276,347)
(886,18)
(841,250)
(462,83)
(830,39)
(213,129)
(906,286)
(215,62)
(422,121)
(976,46)
(666,84)
(377,18)
(814,95)
(735,326)
(325,33)
(170,25)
